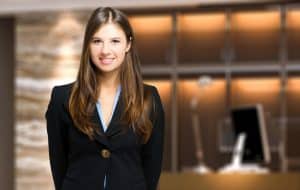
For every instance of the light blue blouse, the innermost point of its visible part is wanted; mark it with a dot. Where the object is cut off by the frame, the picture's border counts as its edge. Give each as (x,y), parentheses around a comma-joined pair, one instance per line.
(99,110)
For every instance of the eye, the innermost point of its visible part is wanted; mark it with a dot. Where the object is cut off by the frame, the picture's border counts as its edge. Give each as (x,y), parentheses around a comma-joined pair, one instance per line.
(115,41)
(96,41)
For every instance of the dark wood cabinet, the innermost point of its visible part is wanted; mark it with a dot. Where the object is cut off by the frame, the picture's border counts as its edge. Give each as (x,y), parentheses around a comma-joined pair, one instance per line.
(251,55)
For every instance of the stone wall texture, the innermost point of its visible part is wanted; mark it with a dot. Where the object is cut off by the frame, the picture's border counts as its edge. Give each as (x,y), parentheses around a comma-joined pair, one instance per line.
(48,52)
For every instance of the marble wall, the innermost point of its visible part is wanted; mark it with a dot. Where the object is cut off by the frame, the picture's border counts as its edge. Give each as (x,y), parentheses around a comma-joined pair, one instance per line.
(48,52)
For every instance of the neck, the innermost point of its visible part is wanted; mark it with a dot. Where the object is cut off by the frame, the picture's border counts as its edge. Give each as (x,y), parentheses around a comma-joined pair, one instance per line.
(109,81)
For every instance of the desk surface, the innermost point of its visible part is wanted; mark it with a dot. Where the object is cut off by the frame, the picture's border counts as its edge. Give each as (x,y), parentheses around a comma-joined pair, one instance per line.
(191,181)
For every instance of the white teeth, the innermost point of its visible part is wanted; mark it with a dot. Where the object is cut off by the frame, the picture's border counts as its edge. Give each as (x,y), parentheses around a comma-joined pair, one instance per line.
(106,60)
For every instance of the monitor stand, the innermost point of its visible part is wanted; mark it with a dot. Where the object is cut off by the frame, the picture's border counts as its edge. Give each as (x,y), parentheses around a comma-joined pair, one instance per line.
(236,165)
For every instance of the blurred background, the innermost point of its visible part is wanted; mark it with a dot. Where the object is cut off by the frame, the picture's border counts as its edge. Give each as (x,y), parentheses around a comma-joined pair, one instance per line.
(204,56)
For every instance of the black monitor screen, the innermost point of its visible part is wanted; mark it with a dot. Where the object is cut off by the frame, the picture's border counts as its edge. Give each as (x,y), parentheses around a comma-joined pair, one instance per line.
(248,120)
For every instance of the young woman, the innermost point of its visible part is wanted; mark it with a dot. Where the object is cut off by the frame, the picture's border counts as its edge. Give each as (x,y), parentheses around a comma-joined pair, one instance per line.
(105,130)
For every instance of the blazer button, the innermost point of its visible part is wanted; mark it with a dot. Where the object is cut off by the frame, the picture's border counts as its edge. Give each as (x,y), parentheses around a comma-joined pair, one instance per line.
(105,153)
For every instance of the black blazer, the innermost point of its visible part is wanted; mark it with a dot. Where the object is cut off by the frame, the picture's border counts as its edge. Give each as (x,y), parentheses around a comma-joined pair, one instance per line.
(78,163)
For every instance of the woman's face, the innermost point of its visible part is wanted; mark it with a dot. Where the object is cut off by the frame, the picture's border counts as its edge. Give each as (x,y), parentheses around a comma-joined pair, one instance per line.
(108,48)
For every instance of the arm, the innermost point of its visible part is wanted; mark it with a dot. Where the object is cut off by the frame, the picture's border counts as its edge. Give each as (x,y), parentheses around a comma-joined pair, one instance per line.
(56,139)
(152,151)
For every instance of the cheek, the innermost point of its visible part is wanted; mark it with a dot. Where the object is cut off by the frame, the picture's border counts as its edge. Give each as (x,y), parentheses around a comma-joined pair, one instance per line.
(93,54)
(93,51)
(120,51)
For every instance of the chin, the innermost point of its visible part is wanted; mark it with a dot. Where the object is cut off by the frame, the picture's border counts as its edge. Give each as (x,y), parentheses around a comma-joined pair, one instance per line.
(108,70)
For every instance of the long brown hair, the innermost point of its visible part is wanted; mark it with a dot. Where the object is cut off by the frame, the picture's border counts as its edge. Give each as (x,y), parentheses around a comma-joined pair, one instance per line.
(85,90)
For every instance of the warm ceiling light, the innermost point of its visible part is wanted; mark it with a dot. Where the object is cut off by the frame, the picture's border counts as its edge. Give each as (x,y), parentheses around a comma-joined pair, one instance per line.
(256,21)
(293,19)
(202,22)
(293,84)
(261,85)
(191,87)
(151,24)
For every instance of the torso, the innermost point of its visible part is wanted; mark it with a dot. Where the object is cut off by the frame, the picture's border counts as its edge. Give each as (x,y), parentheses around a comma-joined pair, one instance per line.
(107,100)
(107,108)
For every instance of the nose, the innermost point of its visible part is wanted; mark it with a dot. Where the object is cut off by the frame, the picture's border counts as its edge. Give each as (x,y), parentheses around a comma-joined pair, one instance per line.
(105,49)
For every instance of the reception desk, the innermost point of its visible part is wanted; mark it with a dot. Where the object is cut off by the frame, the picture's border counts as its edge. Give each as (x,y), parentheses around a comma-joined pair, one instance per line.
(191,181)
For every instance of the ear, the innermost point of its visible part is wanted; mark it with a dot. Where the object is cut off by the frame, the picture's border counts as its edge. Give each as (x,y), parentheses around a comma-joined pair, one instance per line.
(128,46)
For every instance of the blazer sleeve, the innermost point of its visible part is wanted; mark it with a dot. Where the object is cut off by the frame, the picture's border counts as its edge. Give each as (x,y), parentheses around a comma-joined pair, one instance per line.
(56,138)
(152,151)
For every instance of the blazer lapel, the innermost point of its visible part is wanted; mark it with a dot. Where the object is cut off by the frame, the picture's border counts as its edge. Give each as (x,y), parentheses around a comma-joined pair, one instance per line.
(95,118)
(101,138)
(115,127)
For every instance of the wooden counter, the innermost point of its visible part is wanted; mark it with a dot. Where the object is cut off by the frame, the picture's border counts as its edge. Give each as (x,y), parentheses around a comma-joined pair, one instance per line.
(191,181)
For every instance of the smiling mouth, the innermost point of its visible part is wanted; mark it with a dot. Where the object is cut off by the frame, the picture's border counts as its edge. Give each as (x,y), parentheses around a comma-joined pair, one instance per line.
(106,61)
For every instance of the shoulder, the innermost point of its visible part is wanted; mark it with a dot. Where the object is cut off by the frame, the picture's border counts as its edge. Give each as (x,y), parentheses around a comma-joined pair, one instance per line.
(60,94)
(63,89)
(157,113)
(151,91)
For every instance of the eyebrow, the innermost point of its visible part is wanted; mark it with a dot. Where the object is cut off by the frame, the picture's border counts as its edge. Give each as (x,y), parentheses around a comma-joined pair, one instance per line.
(113,38)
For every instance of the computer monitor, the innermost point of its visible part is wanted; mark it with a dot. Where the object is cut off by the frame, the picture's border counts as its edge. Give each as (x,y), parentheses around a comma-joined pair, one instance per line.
(249,120)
